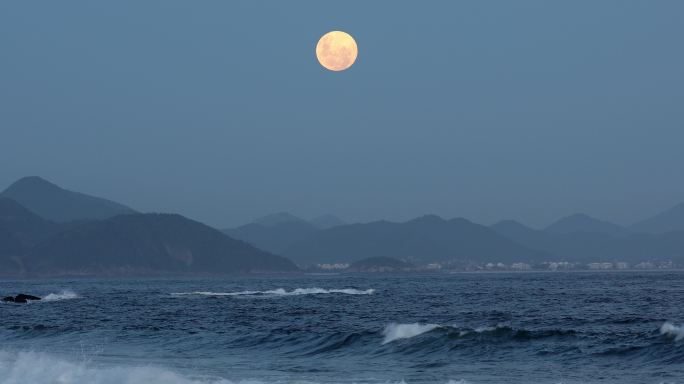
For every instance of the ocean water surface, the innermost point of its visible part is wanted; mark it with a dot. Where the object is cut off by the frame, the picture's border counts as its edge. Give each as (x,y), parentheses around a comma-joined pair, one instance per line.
(460,328)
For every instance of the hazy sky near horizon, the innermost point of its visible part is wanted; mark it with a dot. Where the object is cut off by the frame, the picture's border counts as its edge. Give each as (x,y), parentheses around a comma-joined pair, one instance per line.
(218,110)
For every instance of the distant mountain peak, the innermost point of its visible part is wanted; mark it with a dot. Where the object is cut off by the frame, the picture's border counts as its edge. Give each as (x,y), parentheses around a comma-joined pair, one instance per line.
(581,222)
(55,203)
(429,218)
(278,218)
(143,243)
(33,182)
(427,238)
(670,220)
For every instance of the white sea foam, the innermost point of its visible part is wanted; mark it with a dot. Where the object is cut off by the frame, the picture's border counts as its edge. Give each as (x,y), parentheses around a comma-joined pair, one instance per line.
(483,329)
(406,331)
(63,295)
(674,331)
(41,368)
(486,329)
(281,292)
(396,331)
(38,368)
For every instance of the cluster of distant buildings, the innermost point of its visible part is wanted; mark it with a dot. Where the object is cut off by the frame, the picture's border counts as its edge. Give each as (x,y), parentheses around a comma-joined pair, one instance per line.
(333,266)
(593,266)
(575,266)
(563,266)
(520,266)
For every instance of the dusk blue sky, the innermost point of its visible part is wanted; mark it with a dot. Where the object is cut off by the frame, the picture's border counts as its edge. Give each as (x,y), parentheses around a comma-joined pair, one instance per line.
(218,110)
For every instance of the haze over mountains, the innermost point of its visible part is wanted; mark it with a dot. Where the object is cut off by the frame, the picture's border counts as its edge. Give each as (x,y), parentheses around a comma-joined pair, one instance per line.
(327,221)
(581,222)
(60,205)
(668,221)
(109,238)
(279,231)
(425,239)
(576,238)
(47,230)
(586,246)
(20,229)
(149,243)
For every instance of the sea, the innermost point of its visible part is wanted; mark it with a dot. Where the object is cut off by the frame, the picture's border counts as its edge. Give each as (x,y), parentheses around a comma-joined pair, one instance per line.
(580,327)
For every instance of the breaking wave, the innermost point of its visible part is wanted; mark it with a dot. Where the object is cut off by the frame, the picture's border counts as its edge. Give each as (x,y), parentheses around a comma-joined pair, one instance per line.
(406,331)
(63,295)
(673,331)
(394,331)
(281,292)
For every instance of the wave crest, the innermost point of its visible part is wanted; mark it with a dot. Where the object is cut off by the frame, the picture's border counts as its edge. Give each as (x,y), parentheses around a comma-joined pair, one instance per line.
(396,331)
(673,331)
(281,292)
(66,294)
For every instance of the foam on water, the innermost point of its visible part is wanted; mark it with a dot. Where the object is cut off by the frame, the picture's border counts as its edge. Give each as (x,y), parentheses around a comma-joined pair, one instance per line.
(482,329)
(406,331)
(396,331)
(63,295)
(486,329)
(281,292)
(39,368)
(421,329)
(674,331)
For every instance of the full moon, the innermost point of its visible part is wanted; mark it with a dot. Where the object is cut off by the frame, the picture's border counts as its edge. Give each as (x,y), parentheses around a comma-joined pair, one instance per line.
(336,51)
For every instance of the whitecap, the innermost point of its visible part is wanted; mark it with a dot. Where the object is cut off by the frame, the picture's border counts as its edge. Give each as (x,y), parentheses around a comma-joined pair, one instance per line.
(317,291)
(674,331)
(396,331)
(63,295)
(481,329)
(281,292)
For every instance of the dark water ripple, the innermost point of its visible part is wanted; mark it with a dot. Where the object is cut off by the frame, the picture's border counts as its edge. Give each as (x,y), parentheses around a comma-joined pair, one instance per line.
(481,328)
